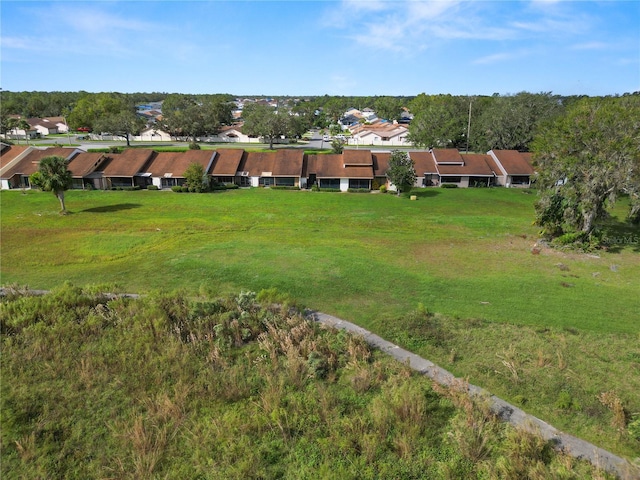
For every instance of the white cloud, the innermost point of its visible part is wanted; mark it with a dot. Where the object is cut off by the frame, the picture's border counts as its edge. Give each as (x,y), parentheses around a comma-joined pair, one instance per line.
(494,58)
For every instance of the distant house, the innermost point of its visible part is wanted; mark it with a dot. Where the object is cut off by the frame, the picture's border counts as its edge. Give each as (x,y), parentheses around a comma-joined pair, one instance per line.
(167,169)
(231,134)
(280,168)
(151,134)
(512,168)
(86,171)
(380,133)
(127,169)
(226,167)
(16,173)
(351,169)
(466,170)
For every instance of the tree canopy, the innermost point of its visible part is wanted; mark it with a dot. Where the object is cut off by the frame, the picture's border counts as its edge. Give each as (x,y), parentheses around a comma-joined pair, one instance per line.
(190,116)
(265,121)
(53,176)
(587,158)
(401,172)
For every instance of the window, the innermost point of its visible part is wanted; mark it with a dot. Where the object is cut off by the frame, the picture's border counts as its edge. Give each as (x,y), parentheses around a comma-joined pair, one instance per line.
(286,181)
(330,183)
(451,179)
(360,183)
(520,180)
(266,181)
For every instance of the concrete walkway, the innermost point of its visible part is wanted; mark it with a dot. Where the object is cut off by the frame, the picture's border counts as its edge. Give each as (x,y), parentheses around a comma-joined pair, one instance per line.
(564,442)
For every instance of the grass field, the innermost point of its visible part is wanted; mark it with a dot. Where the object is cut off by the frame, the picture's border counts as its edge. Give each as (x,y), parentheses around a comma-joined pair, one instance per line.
(562,321)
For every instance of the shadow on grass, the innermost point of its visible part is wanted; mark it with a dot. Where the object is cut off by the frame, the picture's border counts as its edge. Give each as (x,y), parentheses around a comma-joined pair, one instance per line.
(424,193)
(618,236)
(112,208)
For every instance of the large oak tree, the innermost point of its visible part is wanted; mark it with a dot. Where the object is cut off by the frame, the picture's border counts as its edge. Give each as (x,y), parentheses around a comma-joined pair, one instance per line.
(586,159)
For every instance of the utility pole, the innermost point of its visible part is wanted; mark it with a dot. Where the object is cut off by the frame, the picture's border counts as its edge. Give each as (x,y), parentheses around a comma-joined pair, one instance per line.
(469,124)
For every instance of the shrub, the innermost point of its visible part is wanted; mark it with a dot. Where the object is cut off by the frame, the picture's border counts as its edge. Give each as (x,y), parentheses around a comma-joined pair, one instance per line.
(315,187)
(449,185)
(176,188)
(383,189)
(231,186)
(152,187)
(194,146)
(285,187)
(184,189)
(359,190)
(330,190)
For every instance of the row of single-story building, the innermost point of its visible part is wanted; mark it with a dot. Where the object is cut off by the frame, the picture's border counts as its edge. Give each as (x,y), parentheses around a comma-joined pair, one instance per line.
(352,169)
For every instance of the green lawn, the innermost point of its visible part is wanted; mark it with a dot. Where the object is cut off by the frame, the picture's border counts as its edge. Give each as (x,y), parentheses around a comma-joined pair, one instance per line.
(463,253)
(562,320)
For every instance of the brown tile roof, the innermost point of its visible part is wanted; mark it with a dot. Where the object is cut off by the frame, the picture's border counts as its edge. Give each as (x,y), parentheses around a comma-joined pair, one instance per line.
(447,155)
(380,163)
(356,157)
(282,163)
(29,164)
(256,163)
(474,165)
(332,166)
(174,164)
(9,152)
(227,161)
(513,162)
(288,163)
(85,163)
(493,166)
(128,163)
(423,163)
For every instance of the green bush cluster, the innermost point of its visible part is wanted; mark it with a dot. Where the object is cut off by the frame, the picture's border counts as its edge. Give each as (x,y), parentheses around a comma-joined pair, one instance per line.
(152,187)
(127,189)
(359,190)
(449,185)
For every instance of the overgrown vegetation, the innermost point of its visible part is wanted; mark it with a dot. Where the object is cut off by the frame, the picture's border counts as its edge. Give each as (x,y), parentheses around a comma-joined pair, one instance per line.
(466,254)
(172,387)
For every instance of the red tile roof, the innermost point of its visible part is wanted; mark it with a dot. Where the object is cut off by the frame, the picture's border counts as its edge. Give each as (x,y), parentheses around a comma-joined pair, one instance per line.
(332,166)
(356,157)
(423,163)
(174,164)
(474,165)
(9,152)
(380,163)
(85,163)
(29,164)
(128,163)
(447,155)
(288,163)
(227,161)
(513,162)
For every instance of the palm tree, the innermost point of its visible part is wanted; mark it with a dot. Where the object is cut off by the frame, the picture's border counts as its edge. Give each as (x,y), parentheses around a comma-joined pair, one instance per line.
(53,176)
(15,124)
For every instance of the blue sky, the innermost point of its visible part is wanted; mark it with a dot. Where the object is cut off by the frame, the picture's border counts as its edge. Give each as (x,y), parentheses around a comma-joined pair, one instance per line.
(354,47)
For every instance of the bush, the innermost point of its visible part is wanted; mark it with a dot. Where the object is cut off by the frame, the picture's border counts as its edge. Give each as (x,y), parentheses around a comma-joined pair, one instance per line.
(231,186)
(185,189)
(358,190)
(176,188)
(194,146)
(152,187)
(449,185)
(383,189)
(315,187)
(334,190)
(285,187)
